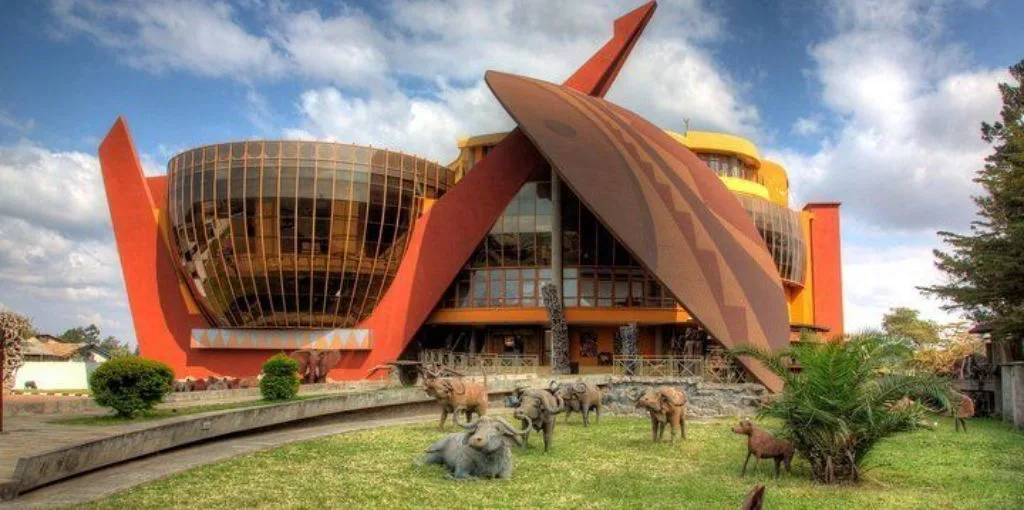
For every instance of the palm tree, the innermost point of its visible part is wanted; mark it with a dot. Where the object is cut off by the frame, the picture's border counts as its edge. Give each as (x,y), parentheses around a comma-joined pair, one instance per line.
(838,398)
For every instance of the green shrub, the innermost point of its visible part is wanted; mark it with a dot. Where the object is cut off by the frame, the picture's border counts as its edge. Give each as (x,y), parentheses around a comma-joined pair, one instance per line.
(280,378)
(130,384)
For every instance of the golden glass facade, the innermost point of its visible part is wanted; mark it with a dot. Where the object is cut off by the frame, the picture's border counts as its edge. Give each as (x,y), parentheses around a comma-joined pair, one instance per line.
(510,265)
(782,232)
(294,234)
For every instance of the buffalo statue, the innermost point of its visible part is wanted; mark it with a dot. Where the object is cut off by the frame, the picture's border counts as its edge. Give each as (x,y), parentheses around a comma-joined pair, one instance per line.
(536,409)
(579,396)
(483,451)
(666,406)
(455,395)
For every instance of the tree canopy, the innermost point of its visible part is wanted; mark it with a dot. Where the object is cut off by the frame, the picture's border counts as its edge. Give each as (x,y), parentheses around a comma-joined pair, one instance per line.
(91,335)
(906,323)
(985,267)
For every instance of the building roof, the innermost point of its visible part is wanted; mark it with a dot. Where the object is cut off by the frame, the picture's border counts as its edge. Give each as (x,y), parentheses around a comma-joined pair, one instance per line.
(46,345)
(34,347)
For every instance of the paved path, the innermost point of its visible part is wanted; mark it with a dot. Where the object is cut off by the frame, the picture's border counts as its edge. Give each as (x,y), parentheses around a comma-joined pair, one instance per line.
(104,482)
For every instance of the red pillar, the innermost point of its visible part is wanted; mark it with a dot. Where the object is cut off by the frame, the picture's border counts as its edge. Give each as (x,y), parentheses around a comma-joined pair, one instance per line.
(826,266)
(159,313)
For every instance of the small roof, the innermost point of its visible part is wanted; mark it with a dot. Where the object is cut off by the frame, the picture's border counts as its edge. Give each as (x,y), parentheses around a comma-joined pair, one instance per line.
(34,347)
(46,345)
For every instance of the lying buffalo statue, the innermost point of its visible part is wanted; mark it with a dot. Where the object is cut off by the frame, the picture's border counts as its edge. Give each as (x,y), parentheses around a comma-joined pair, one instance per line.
(483,451)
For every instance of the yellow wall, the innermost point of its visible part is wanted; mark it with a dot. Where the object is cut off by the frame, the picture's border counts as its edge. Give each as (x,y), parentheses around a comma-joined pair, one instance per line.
(775,181)
(738,185)
(705,141)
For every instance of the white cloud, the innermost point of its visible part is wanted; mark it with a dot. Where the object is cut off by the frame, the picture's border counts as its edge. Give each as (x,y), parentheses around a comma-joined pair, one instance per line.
(908,109)
(876,280)
(58,262)
(57,279)
(162,35)
(805,126)
(449,45)
(344,49)
(424,127)
(56,190)
(437,50)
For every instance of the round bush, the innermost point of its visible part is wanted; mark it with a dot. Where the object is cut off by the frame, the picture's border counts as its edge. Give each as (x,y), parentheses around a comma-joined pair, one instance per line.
(130,384)
(281,364)
(280,378)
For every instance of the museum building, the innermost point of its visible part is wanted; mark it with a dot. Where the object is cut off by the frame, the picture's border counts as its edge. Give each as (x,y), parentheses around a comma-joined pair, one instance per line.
(688,239)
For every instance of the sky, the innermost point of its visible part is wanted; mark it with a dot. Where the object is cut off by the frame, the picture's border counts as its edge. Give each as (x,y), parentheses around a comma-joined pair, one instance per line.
(875,103)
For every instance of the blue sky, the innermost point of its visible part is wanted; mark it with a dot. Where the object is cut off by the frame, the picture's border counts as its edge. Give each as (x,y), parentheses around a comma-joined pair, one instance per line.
(874,103)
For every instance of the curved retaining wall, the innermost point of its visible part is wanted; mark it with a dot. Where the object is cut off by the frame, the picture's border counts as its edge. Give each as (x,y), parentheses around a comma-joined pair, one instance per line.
(706,400)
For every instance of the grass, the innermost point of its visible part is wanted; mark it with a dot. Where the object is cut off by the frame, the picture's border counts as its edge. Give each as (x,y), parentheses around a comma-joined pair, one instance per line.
(164,413)
(610,465)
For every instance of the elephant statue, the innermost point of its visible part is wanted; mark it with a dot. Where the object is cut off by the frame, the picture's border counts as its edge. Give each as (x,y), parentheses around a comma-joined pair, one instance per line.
(314,364)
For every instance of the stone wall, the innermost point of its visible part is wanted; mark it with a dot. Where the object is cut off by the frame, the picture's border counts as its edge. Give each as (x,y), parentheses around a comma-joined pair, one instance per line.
(704,399)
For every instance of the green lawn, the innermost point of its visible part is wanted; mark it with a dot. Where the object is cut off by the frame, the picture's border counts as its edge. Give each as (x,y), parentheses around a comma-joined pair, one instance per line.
(163,413)
(609,465)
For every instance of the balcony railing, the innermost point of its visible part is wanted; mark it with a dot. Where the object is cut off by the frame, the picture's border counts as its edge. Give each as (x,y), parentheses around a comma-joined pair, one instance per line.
(710,368)
(478,364)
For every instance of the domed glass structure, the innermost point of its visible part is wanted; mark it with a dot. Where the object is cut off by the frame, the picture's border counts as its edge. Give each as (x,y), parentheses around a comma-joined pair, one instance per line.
(289,234)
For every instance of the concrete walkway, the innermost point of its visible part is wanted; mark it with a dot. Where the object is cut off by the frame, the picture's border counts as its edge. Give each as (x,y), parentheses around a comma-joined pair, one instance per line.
(105,482)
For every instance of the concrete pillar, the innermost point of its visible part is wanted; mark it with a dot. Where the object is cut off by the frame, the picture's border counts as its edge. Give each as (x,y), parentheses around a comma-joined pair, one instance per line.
(1006,391)
(826,266)
(1012,375)
(659,339)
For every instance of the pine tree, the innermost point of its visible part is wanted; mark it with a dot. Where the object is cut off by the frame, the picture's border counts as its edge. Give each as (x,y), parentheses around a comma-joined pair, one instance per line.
(985,268)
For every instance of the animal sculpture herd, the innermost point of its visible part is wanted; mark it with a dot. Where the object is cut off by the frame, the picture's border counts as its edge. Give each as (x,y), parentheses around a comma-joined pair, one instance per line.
(484,449)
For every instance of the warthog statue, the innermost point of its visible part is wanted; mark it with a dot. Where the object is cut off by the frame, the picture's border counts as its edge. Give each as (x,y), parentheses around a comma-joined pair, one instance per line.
(483,451)
(763,445)
(536,409)
(579,396)
(963,412)
(667,406)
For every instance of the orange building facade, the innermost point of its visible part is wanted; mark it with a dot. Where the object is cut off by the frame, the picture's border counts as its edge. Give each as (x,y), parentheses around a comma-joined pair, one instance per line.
(247,249)
(494,306)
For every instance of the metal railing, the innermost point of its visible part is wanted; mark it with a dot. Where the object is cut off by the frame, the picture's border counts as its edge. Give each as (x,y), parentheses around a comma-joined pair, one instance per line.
(709,368)
(481,363)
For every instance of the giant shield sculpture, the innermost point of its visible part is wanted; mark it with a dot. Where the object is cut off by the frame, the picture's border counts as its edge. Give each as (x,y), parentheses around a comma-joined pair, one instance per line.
(666,206)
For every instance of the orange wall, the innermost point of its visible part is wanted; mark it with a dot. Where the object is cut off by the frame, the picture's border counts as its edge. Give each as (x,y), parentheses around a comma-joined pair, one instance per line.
(826,265)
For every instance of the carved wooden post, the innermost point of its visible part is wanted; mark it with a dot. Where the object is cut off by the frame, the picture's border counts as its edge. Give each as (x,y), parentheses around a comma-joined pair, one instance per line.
(559,329)
(627,338)
(11,327)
